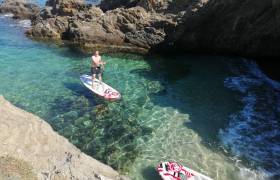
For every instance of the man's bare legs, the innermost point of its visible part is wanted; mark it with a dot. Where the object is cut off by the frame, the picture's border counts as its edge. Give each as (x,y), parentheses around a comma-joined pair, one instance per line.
(100,77)
(93,79)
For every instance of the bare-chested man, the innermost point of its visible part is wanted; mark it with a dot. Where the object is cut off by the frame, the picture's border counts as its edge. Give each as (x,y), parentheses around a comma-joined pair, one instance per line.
(96,66)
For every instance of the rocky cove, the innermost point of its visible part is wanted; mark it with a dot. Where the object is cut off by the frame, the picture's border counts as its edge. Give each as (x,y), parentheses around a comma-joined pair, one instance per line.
(152,90)
(249,29)
(243,28)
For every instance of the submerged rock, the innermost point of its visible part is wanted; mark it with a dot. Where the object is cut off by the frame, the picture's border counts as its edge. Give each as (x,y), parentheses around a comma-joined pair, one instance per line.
(21,9)
(109,134)
(29,140)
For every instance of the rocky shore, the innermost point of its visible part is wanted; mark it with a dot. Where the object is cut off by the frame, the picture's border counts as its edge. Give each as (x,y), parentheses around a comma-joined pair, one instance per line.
(244,28)
(30,149)
(122,29)
(247,28)
(21,9)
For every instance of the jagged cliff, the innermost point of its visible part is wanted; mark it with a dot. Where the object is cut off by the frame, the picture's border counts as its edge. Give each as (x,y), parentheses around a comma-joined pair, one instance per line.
(30,149)
(123,29)
(241,27)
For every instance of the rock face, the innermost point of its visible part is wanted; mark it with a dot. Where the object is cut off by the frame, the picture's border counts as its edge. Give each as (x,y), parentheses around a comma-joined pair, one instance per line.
(150,5)
(160,6)
(244,28)
(21,9)
(26,140)
(247,28)
(112,4)
(133,29)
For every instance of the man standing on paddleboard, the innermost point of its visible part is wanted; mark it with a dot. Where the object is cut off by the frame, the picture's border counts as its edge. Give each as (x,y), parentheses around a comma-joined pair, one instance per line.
(96,66)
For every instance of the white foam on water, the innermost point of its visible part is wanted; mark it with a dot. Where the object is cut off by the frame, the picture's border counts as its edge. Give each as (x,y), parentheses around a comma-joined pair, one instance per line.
(8,15)
(241,83)
(22,23)
(249,174)
(25,23)
(253,132)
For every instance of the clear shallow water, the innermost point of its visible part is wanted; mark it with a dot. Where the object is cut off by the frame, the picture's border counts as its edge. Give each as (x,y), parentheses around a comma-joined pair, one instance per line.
(183,108)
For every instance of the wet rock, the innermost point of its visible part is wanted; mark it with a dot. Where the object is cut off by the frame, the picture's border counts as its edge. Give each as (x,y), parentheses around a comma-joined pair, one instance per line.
(21,9)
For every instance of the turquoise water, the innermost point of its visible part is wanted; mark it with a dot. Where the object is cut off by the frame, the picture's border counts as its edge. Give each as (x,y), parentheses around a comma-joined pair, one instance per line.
(184,108)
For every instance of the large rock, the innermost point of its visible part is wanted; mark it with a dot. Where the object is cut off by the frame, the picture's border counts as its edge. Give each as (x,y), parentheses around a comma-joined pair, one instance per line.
(132,26)
(127,30)
(21,9)
(240,27)
(29,148)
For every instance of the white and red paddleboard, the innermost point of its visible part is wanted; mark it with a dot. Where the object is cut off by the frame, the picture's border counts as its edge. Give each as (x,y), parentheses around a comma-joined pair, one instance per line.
(175,171)
(100,88)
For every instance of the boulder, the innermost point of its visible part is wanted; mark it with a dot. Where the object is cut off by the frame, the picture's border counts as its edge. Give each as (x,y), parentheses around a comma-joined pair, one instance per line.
(49,29)
(30,149)
(21,9)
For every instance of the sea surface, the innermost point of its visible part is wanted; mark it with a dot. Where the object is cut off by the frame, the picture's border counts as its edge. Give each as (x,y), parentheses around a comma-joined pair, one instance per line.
(217,115)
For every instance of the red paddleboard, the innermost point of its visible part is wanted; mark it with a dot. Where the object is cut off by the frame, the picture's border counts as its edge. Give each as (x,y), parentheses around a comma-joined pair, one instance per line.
(175,171)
